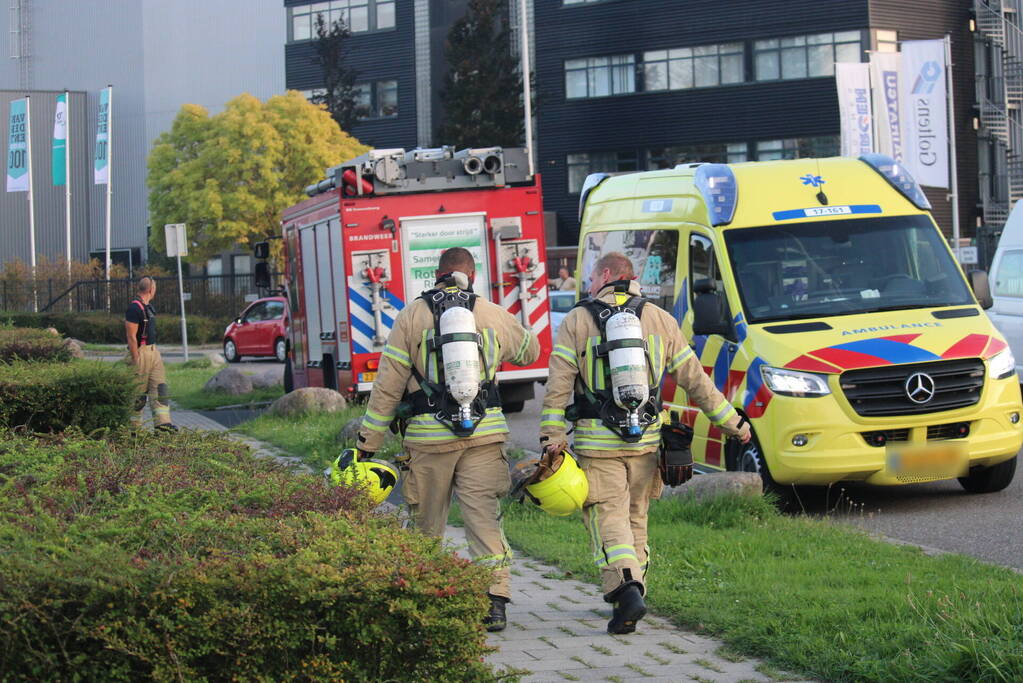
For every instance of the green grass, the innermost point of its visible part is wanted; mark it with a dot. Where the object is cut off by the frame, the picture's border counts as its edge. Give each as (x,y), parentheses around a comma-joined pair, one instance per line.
(808,595)
(186,381)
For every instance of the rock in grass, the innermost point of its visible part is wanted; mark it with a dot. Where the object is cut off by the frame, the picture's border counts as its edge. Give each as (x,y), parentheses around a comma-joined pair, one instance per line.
(216,359)
(308,400)
(272,377)
(349,433)
(74,347)
(230,381)
(704,487)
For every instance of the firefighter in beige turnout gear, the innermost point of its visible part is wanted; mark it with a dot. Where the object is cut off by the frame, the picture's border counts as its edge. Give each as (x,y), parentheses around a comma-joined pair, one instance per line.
(622,475)
(437,459)
(143,355)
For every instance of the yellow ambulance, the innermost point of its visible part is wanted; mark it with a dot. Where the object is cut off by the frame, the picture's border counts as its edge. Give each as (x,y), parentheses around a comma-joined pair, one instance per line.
(824,302)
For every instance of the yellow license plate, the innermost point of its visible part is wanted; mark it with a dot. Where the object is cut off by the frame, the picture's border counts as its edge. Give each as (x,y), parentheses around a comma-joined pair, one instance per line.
(945,460)
(369,376)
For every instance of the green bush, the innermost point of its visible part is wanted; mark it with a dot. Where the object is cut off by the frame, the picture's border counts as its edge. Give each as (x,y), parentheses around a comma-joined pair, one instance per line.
(186,558)
(50,397)
(105,328)
(22,344)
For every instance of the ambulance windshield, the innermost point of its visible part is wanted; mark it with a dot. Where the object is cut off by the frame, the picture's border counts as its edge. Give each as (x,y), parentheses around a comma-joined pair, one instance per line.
(654,255)
(843,267)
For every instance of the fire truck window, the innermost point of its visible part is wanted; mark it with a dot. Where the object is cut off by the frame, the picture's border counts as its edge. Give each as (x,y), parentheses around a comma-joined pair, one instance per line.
(654,256)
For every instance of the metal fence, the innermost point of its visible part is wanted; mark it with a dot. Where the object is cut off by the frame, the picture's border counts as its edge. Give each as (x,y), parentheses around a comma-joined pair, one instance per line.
(214,296)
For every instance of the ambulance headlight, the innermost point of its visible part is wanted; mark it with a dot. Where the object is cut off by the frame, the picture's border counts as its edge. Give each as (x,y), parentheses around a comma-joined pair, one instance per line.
(1002,364)
(794,383)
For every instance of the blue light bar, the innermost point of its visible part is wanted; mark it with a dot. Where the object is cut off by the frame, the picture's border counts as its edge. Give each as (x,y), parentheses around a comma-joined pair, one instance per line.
(898,177)
(592,180)
(716,183)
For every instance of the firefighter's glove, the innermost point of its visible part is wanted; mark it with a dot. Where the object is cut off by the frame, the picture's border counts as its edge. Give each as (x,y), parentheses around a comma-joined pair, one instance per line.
(676,459)
(140,402)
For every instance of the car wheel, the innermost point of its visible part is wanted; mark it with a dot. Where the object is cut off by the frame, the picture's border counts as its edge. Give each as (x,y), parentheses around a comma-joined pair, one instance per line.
(989,479)
(281,349)
(231,351)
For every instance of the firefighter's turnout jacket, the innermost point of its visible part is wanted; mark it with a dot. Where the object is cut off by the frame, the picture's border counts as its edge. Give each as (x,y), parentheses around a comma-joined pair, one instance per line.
(622,476)
(439,461)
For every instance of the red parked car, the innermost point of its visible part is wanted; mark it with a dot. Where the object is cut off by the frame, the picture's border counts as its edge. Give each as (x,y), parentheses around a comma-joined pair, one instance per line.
(261,330)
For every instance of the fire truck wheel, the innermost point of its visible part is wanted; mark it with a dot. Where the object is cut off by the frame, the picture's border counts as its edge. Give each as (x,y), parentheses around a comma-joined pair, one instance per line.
(513,407)
(231,351)
(289,378)
(281,349)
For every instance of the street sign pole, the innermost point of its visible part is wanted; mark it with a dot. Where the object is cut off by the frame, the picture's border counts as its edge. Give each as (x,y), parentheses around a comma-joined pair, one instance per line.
(177,245)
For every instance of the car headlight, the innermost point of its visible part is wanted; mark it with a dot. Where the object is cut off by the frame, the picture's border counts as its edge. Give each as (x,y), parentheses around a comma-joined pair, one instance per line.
(1002,364)
(794,383)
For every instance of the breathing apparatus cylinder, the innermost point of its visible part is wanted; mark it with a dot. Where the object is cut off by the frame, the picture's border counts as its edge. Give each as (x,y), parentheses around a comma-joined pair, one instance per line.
(627,367)
(461,361)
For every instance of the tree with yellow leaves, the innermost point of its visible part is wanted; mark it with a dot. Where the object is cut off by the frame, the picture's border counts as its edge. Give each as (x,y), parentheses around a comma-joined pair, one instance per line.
(229,176)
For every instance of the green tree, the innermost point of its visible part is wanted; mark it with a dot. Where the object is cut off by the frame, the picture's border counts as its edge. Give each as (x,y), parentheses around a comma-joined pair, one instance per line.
(338,91)
(482,92)
(230,176)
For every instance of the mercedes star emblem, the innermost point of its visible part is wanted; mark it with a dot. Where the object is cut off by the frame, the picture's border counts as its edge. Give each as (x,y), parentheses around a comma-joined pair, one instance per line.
(920,387)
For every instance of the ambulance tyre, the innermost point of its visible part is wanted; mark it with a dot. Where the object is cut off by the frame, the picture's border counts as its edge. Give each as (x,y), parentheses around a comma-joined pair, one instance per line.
(513,407)
(749,457)
(289,377)
(989,479)
(231,351)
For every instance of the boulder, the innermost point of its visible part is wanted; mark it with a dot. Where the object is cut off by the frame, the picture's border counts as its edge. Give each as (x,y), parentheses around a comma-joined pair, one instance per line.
(273,377)
(230,381)
(216,359)
(53,331)
(350,432)
(308,400)
(74,347)
(703,487)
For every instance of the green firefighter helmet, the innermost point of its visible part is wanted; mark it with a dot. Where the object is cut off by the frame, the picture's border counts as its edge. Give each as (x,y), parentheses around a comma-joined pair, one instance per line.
(562,492)
(376,477)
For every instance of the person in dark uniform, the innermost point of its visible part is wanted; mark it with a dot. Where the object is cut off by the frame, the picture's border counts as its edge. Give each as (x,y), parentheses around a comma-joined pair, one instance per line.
(140,330)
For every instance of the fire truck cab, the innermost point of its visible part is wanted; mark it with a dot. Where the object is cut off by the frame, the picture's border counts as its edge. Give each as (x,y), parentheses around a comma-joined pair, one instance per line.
(368,240)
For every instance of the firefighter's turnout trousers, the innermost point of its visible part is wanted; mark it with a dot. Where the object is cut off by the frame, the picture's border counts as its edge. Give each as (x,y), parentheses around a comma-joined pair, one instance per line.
(480,476)
(615,513)
(152,386)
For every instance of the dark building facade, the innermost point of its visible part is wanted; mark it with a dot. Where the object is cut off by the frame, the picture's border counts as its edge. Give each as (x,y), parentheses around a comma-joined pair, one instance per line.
(626,85)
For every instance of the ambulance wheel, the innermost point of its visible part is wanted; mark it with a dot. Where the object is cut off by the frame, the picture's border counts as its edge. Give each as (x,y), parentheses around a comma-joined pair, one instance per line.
(281,349)
(289,377)
(231,351)
(989,479)
(749,457)
(513,407)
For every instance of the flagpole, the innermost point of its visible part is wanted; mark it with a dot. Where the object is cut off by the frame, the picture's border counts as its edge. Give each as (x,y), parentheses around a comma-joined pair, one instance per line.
(67,182)
(31,203)
(954,180)
(110,172)
(527,97)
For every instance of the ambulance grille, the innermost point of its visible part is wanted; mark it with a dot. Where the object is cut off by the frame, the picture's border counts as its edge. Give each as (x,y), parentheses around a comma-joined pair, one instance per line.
(875,392)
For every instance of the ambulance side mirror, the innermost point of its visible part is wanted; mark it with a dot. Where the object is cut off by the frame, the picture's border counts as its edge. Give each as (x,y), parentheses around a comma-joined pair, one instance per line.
(261,275)
(981,288)
(710,310)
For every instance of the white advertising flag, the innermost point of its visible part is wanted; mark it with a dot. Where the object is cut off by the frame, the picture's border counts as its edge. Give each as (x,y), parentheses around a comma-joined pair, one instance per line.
(924,111)
(884,78)
(853,82)
(101,162)
(17,148)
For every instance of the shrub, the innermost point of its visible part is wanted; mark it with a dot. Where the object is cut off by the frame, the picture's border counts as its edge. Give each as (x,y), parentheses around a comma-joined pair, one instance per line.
(21,344)
(106,328)
(186,558)
(49,397)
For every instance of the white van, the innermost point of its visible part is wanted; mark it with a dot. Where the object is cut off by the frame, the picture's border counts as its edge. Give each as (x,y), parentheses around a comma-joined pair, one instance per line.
(1007,285)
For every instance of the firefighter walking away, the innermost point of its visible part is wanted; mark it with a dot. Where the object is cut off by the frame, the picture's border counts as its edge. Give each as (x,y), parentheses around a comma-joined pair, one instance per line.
(609,358)
(439,367)
(140,330)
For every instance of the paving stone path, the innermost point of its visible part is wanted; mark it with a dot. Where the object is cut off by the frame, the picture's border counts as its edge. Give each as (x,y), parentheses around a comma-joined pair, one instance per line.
(556,625)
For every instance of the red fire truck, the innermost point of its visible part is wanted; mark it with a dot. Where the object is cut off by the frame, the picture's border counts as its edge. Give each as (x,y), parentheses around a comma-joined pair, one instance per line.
(368,240)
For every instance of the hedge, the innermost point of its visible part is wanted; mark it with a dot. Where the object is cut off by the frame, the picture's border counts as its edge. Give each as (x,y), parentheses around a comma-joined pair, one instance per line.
(183,557)
(52,396)
(22,344)
(105,328)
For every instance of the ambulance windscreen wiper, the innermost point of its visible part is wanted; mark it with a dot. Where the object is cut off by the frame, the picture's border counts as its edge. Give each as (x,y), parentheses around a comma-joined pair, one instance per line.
(903,307)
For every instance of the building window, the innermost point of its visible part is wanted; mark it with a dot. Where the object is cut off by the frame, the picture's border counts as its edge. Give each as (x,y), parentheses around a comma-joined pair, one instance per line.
(798,148)
(886,41)
(358,15)
(600,76)
(315,92)
(582,164)
(376,100)
(805,56)
(693,67)
(241,264)
(714,153)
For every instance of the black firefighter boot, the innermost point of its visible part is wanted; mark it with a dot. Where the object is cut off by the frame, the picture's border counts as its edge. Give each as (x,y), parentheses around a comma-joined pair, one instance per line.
(629,608)
(495,619)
